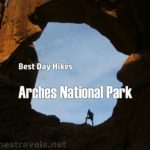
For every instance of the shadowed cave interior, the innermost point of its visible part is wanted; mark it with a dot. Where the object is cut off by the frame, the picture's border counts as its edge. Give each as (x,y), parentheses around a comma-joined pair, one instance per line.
(125,24)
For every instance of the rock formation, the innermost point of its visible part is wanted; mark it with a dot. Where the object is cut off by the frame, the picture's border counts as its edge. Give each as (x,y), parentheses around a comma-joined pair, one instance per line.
(125,23)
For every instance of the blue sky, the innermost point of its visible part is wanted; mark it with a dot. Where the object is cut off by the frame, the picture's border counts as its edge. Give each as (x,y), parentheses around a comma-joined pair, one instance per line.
(95,63)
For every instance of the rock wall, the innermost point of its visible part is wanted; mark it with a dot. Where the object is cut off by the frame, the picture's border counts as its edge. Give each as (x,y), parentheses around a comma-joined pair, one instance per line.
(124,23)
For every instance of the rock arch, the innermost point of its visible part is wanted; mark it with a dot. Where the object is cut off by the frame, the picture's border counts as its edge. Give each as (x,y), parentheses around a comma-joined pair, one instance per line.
(125,23)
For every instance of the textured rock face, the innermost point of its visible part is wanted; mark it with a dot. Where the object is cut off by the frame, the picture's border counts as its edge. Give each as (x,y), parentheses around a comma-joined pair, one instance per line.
(16,27)
(135,72)
(1,9)
(125,23)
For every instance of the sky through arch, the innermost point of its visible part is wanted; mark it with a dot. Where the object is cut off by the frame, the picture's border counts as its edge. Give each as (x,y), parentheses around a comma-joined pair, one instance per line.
(95,63)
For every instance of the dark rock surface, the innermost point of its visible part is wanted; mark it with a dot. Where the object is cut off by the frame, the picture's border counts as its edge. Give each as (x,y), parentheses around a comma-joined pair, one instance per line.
(125,23)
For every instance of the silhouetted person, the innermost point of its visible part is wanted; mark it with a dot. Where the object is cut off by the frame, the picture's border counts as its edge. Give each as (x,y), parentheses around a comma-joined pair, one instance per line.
(90,115)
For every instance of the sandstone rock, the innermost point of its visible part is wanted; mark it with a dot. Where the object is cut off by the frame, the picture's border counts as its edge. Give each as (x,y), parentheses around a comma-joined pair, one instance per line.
(9,69)
(16,26)
(135,72)
(92,13)
(2,2)
(125,23)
